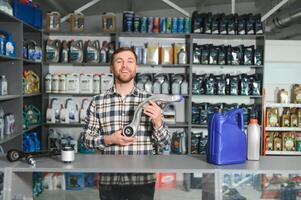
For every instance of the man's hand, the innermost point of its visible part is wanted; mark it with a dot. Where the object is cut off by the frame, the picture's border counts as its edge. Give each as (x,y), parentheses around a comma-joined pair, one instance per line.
(119,139)
(154,112)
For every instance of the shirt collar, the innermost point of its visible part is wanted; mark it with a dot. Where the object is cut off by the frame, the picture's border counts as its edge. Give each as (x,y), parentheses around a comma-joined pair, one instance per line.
(135,90)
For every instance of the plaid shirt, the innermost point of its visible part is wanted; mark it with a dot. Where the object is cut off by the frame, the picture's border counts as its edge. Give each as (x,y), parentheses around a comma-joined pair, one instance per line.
(108,113)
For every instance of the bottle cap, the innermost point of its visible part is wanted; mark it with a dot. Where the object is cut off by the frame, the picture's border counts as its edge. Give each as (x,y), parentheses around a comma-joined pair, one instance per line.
(253,121)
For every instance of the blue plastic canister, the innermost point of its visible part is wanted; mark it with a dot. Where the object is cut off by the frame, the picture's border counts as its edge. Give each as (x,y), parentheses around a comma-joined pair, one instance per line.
(227,142)
(8,46)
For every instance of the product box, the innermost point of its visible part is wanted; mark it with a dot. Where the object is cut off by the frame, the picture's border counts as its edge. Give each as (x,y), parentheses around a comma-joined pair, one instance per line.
(75,181)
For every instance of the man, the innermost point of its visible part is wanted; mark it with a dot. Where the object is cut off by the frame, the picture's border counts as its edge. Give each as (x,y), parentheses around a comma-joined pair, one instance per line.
(108,113)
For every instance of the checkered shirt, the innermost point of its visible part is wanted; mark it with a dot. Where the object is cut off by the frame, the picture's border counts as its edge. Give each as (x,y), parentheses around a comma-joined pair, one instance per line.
(108,113)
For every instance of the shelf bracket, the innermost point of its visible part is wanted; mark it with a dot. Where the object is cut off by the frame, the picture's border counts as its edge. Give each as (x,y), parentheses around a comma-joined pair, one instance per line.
(84,7)
(233,6)
(176,7)
(273,10)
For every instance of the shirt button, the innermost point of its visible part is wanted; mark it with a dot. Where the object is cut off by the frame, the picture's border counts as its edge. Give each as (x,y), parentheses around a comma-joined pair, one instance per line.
(123,113)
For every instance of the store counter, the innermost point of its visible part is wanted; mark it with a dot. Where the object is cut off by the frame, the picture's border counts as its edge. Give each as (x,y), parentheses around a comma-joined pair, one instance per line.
(18,176)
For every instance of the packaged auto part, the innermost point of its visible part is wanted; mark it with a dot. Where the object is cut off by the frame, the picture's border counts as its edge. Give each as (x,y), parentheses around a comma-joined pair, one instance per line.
(198,84)
(244,85)
(258,56)
(92,53)
(241,27)
(255,85)
(237,55)
(195,113)
(178,142)
(250,22)
(53,50)
(213,55)
(215,27)
(221,59)
(196,55)
(248,52)
(76,53)
(231,24)
(152,54)
(258,25)
(136,23)
(53,21)
(203,113)
(208,24)
(234,82)
(197,22)
(127,19)
(220,85)
(209,85)
(204,54)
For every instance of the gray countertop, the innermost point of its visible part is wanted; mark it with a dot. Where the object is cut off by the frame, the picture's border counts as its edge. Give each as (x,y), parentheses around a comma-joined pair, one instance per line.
(156,163)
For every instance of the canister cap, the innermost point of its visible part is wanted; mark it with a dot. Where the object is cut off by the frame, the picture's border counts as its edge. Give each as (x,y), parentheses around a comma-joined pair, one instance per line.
(253,121)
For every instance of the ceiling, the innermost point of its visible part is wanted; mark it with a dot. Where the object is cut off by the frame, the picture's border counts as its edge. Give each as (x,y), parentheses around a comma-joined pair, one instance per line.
(255,6)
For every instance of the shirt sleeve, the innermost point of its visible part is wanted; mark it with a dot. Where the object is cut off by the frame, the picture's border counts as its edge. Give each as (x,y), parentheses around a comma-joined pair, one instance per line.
(162,135)
(93,135)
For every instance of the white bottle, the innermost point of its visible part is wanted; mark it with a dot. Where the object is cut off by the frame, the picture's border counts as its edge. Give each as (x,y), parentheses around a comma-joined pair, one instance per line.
(96,84)
(253,140)
(48,83)
(3,85)
(62,83)
(55,83)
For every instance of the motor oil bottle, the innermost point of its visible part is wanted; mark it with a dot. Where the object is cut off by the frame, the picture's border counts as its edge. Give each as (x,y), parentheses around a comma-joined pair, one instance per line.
(182,58)
(92,51)
(64,115)
(53,21)
(53,50)
(110,51)
(10,45)
(55,83)
(86,83)
(64,52)
(76,22)
(31,49)
(62,83)
(48,83)
(103,52)
(96,83)
(76,53)
(38,54)
(1,123)
(9,124)
(253,140)
(83,110)
(3,85)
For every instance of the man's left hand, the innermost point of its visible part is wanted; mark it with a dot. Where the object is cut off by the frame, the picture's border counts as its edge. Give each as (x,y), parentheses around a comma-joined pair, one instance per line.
(154,112)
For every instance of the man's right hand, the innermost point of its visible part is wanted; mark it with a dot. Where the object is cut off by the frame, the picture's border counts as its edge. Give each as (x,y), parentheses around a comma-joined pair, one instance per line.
(118,139)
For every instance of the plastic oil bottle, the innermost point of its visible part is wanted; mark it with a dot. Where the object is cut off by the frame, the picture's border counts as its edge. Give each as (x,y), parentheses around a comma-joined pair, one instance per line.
(253,140)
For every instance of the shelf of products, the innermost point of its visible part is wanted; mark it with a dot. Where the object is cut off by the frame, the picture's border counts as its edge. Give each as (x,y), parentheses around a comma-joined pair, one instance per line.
(9,97)
(293,153)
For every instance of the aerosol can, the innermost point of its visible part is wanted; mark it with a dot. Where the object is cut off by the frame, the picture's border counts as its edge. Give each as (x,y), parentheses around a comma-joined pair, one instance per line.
(48,83)
(62,83)
(86,83)
(53,50)
(9,124)
(83,110)
(92,54)
(1,123)
(96,83)
(64,52)
(72,110)
(76,53)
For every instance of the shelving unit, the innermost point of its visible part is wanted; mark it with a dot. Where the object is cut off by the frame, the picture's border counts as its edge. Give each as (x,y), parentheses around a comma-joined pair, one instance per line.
(13,68)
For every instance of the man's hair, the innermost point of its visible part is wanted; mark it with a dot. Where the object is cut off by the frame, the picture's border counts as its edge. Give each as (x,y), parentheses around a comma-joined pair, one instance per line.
(122,49)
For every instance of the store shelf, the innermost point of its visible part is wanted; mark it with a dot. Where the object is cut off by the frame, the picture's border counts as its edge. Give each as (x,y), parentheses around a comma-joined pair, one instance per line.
(30,128)
(31,95)
(9,97)
(225,37)
(64,125)
(293,153)
(9,58)
(178,125)
(283,105)
(230,96)
(26,61)
(72,94)
(69,33)
(153,35)
(79,64)
(7,138)
(198,126)
(283,128)
(165,65)
(226,66)
(7,18)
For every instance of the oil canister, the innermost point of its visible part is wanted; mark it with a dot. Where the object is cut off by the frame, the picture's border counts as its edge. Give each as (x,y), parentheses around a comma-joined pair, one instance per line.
(53,21)
(31,49)
(64,52)
(86,83)
(7,45)
(76,51)
(48,83)
(55,83)
(52,50)
(62,83)
(76,22)
(3,86)
(96,83)
(92,51)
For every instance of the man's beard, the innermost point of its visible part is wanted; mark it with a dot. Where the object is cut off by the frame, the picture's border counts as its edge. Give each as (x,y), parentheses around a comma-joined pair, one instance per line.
(124,80)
